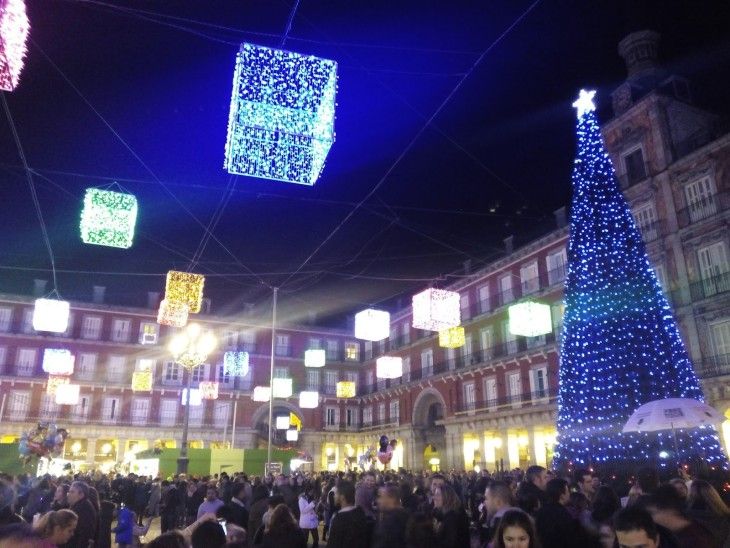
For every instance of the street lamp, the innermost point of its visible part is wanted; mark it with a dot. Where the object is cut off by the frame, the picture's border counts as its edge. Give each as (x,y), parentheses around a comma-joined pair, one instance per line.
(190,349)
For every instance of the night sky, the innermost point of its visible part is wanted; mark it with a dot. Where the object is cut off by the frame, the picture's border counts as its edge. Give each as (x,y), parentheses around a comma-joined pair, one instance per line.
(496,160)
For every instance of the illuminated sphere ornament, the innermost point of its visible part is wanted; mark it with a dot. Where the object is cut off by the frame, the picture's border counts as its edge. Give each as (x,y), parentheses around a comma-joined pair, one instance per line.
(67,394)
(292,435)
(261,393)
(172,313)
(314,357)
(453,337)
(14,28)
(196,397)
(54,381)
(108,218)
(142,381)
(530,319)
(236,363)
(58,361)
(372,325)
(50,315)
(436,309)
(208,390)
(389,367)
(282,388)
(281,121)
(345,389)
(282,422)
(185,288)
(308,399)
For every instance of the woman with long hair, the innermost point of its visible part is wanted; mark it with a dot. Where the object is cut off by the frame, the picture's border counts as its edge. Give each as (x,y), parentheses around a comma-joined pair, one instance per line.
(56,527)
(308,520)
(452,523)
(705,505)
(283,531)
(515,530)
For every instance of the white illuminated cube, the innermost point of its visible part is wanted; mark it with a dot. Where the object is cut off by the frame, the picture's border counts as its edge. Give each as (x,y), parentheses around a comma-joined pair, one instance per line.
(389,367)
(261,393)
(282,422)
(308,399)
(14,29)
(195,397)
(50,315)
(67,394)
(58,361)
(372,325)
(208,390)
(292,435)
(236,363)
(530,319)
(436,309)
(108,218)
(282,388)
(314,357)
(172,313)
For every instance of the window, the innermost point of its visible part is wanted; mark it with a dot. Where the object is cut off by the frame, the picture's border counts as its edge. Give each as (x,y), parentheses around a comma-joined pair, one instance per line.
(3,357)
(700,196)
(121,329)
(81,411)
(281,373)
(148,332)
(197,412)
(25,362)
(646,221)
(110,410)
(221,414)
(395,411)
(426,363)
(18,405)
(486,341)
(470,396)
(69,326)
(451,358)
(407,369)
(490,392)
(49,407)
(223,377)
(282,345)
(6,317)
(538,383)
(393,336)
(466,352)
(367,416)
(248,341)
(528,278)
(332,416)
(168,412)
(406,327)
(140,410)
(505,289)
(333,349)
(556,263)
(635,168)
(330,382)
(312,380)
(465,309)
(483,293)
(314,343)
(381,413)
(368,350)
(199,373)
(369,380)
(535,342)
(515,388)
(352,352)
(230,339)
(116,371)
(510,340)
(28,320)
(721,342)
(91,327)
(661,276)
(351,417)
(713,265)
(86,366)
(171,373)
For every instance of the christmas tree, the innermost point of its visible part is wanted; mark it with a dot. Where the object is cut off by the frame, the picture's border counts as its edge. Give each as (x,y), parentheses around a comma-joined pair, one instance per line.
(621,347)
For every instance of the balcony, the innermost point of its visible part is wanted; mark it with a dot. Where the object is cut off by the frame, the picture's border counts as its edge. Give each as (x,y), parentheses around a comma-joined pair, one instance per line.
(382,423)
(540,397)
(714,366)
(710,286)
(703,209)
(652,231)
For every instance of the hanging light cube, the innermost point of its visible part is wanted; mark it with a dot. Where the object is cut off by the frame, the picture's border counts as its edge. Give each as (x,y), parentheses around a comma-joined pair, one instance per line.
(389,367)
(314,357)
(308,399)
(108,218)
(453,337)
(185,288)
(261,393)
(282,422)
(292,435)
(530,319)
(14,28)
(281,120)
(436,309)
(54,381)
(345,389)
(295,421)
(50,315)
(236,363)
(208,390)
(282,388)
(142,381)
(172,314)
(195,397)
(58,361)
(67,394)
(372,325)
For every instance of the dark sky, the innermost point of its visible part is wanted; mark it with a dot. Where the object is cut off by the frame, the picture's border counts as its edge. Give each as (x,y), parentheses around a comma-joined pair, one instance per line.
(496,160)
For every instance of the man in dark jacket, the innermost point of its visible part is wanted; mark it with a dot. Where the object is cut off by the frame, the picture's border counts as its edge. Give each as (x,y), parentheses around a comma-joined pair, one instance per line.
(556,528)
(349,528)
(390,527)
(88,522)
(235,509)
(531,493)
(169,503)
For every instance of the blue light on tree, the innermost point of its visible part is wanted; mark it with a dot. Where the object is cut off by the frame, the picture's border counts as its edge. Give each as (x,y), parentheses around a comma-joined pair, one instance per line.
(620,346)
(281,122)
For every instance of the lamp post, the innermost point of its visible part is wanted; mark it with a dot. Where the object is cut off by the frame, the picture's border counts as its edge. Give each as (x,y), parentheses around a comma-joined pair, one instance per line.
(190,348)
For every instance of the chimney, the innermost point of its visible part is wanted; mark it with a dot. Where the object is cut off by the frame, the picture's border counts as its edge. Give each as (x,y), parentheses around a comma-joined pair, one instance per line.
(97,296)
(153,299)
(467,266)
(640,51)
(39,287)
(509,244)
(560,218)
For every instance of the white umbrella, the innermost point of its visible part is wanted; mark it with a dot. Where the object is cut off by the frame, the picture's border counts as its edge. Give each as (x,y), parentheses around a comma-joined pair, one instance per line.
(670,414)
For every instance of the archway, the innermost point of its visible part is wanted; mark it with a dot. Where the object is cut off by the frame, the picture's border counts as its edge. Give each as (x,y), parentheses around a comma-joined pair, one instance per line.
(260,422)
(430,437)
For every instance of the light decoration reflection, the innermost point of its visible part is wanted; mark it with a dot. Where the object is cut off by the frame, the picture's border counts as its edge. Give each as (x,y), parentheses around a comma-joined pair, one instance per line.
(372,325)
(14,29)
(281,119)
(282,388)
(54,381)
(389,367)
(292,435)
(108,218)
(236,363)
(530,319)
(196,398)
(67,394)
(308,399)
(208,390)
(142,381)
(261,393)
(436,309)
(282,422)
(345,389)
(58,361)
(620,346)
(50,315)
(185,288)
(314,357)
(174,314)
(453,337)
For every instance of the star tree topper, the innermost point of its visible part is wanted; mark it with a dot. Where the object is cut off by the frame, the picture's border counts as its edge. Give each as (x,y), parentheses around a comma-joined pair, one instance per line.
(584,103)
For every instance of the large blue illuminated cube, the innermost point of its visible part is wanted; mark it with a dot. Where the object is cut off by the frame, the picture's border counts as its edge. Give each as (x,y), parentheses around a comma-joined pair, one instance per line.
(281,123)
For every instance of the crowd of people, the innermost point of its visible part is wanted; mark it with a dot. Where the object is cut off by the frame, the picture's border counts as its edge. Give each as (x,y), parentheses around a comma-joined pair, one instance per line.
(518,509)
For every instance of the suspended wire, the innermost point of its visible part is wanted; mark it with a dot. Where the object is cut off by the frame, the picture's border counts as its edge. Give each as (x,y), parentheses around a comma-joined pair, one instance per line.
(412,142)
(215,218)
(289,22)
(31,185)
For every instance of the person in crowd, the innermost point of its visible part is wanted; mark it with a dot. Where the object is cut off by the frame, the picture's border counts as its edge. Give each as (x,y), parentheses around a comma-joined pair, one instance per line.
(420,532)
(497,501)
(153,503)
(556,528)
(211,503)
(208,534)
(259,496)
(169,504)
(285,489)
(107,509)
(515,530)
(308,520)
(349,527)
(706,506)
(170,539)
(127,531)
(390,527)
(56,527)
(605,504)
(20,535)
(365,495)
(667,509)
(59,497)
(327,501)
(583,479)
(39,499)
(86,528)
(635,529)
(283,531)
(452,523)
(236,509)
(531,492)
(681,486)
(7,504)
